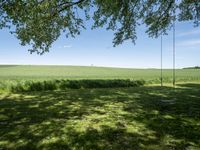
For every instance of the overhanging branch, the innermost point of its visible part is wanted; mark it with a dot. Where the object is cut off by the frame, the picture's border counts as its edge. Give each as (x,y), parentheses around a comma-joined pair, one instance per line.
(69,4)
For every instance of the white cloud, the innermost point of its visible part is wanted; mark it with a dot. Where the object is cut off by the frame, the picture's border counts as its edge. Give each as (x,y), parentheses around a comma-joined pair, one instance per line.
(67,46)
(189,43)
(192,32)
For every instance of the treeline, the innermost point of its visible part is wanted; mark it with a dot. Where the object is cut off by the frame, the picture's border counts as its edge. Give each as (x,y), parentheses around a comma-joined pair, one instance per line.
(195,67)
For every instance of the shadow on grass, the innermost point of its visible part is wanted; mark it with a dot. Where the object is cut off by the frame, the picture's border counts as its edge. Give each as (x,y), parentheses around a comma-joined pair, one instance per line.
(122,118)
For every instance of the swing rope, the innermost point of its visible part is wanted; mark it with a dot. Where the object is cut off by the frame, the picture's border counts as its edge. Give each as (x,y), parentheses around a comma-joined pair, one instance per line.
(174,53)
(161,61)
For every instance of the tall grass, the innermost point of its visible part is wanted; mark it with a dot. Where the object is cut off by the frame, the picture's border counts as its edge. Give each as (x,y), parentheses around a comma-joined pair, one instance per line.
(22,86)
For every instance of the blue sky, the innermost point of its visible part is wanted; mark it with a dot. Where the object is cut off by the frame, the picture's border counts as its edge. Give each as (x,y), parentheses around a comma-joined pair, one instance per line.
(95,47)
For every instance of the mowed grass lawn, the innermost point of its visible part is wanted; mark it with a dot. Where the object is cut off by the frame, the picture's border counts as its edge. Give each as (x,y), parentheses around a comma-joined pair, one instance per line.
(118,119)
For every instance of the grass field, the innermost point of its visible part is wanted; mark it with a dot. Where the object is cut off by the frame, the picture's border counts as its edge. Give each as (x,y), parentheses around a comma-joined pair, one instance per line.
(78,72)
(135,118)
(107,119)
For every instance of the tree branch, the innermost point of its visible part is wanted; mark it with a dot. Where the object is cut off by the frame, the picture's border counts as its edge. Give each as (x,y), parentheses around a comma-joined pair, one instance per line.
(3,2)
(69,4)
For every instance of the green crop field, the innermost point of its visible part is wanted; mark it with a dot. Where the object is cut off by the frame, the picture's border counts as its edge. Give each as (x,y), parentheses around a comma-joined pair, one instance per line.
(77,72)
(116,112)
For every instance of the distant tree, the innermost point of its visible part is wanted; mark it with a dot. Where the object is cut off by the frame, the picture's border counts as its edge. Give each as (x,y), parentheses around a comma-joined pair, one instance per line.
(195,67)
(40,22)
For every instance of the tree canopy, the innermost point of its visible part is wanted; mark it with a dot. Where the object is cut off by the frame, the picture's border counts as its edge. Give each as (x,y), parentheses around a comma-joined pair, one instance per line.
(40,22)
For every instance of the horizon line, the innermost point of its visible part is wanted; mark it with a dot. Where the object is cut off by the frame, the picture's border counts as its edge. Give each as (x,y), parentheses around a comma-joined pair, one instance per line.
(98,66)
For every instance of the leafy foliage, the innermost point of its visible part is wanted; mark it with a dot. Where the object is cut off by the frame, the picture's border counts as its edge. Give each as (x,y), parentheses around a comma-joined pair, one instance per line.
(40,22)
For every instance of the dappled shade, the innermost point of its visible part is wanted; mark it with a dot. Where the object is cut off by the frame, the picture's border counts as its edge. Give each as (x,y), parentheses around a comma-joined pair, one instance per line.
(128,118)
